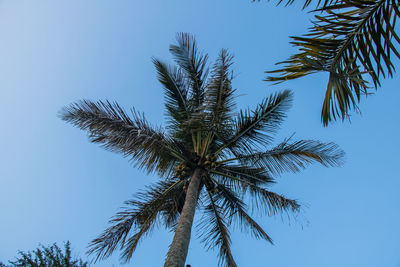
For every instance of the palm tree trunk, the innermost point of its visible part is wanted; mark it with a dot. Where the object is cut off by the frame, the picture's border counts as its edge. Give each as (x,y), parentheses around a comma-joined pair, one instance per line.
(180,244)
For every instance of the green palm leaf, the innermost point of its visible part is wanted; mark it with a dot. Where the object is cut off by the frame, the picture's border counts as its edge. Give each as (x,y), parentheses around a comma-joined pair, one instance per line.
(352,40)
(269,202)
(272,203)
(219,93)
(217,233)
(108,124)
(140,214)
(248,174)
(254,127)
(176,91)
(320,3)
(293,157)
(194,64)
(237,208)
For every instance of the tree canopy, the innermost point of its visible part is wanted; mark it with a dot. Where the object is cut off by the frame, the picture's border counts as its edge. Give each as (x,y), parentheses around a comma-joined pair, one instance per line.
(210,157)
(51,256)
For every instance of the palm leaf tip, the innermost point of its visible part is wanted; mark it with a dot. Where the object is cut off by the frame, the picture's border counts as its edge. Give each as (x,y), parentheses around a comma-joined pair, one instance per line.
(216,232)
(109,125)
(176,91)
(194,63)
(272,203)
(219,93)
(235,207)
(295,156)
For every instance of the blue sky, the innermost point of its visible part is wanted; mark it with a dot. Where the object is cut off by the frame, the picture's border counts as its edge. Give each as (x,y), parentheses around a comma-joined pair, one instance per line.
(56,186)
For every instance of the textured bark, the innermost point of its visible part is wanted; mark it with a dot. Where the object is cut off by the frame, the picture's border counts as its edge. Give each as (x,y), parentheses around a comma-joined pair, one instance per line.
(180,244)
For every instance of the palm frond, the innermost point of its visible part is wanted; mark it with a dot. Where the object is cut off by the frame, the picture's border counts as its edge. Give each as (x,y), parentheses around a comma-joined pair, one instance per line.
(179,110)
(252,175)
(267,201)
(293,157)
(175,91)
(319,3)
(139,214)
(352,40)
(194,64)
(237,209)
(216,233)
(271,203)
(257,127)
(108,124)
(219,93)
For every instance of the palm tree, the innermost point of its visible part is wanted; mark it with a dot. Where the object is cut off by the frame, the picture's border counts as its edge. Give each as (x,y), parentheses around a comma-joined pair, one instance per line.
(352,40)
(209,157)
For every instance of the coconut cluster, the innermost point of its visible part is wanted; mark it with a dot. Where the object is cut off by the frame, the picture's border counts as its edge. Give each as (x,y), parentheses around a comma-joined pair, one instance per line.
(182,170)
(210,162)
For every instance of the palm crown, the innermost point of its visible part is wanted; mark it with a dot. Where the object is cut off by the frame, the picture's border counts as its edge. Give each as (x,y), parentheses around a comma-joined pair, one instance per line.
(210,157)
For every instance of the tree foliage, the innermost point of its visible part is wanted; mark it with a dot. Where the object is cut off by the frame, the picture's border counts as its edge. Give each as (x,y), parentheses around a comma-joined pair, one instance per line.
(234,150)
(52,256)
(355,41)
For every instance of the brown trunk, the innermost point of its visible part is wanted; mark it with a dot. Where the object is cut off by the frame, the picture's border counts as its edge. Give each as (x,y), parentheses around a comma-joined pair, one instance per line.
(180,244)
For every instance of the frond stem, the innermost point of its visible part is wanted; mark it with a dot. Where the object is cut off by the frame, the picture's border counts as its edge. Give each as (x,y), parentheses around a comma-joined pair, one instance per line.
(354,33)
(236,178)
(245,131)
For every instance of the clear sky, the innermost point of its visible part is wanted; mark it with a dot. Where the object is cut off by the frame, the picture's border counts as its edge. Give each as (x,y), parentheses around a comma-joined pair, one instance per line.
(57,186)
